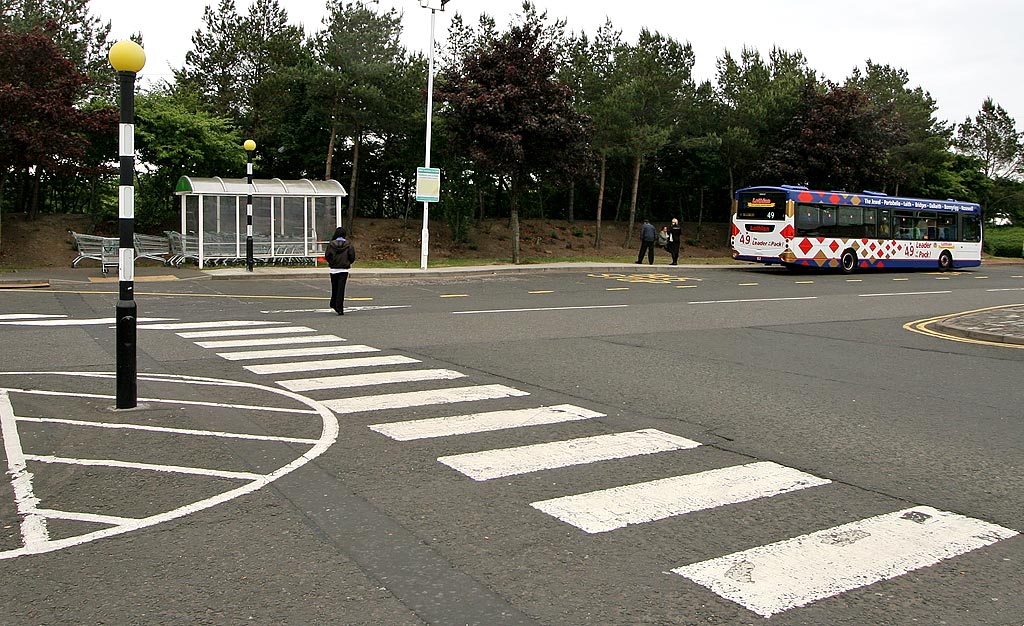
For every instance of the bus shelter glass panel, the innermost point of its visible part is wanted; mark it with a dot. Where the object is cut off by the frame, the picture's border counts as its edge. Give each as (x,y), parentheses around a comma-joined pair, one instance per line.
(220,226)
(191,223)
(325,220)
(289,226)
(262,225)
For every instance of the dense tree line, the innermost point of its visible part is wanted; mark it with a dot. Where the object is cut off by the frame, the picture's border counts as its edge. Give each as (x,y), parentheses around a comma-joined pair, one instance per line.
(532,121)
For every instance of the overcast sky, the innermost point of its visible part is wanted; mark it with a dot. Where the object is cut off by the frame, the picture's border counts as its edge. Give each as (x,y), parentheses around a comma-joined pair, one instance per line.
(961,51)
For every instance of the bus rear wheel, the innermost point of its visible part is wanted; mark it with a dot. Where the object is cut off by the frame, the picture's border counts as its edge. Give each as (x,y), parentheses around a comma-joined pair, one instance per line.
(848,261)
(945,261)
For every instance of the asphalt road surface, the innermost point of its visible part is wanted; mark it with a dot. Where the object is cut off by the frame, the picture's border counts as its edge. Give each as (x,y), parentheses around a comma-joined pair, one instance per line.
(651,446)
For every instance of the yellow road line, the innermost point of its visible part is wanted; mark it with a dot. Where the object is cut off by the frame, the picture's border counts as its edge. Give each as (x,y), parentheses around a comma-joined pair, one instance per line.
(542,291)
(454,295)
(617,289)
(923,327)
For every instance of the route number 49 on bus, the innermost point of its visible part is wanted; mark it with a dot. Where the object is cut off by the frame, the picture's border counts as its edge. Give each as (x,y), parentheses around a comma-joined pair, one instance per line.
(799,227)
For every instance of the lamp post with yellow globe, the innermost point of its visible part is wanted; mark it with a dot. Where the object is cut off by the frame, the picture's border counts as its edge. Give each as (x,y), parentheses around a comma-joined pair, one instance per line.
(249,146)
(127,57)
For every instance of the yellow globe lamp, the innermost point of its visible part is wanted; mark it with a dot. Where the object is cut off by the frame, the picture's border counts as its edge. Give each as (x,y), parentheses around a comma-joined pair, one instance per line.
(127,56)
(249,145)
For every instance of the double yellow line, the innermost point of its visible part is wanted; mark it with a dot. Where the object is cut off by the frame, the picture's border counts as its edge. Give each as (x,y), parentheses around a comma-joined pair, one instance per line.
(924,327)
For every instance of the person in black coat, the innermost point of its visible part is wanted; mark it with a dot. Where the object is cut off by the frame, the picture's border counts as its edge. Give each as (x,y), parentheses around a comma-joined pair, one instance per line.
(339,254)
(675,238)
(647,238)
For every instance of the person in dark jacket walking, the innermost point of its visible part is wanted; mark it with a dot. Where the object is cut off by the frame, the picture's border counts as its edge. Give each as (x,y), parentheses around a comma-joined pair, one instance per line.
(675,238)
(339,254)
(647,238)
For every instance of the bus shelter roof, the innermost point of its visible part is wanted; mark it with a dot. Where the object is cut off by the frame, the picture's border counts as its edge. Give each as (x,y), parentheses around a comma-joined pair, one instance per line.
(190,185)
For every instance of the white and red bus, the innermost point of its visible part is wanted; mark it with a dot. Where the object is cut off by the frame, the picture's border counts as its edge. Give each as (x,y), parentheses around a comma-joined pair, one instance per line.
(798,227)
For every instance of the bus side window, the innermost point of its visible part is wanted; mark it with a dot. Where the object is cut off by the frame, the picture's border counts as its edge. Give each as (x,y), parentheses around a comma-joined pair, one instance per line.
(947,228)
(970,229)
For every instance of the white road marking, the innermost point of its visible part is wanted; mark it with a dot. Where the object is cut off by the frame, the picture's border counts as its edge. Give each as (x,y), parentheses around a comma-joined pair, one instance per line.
(609,509)
(369,307)
(244,407)
(86,517)
(328,436)
(166,429)
(242,332)
(295,352)
(78,322)
(1008,289)
(752,300)
(173,469)
(422,398)
(365,380)
(482,422)
(27,316)
(777,577)
(904,293)
(546,308)
(33,525)
(333,364)
(543,456)
(270,341)
(199,325)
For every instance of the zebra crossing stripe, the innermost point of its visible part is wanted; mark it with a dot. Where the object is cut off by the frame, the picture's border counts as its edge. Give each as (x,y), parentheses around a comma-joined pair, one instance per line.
(609,509)
(95,321)
(777,577)
(332,364)
(543,456)
(271,341)
(295,352)
(200,325)
(482,422)
(27,316)
(422,398)
(242,332)
(365,380)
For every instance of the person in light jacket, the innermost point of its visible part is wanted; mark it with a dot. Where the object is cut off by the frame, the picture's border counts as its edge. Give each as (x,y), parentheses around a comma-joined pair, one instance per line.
(339,254)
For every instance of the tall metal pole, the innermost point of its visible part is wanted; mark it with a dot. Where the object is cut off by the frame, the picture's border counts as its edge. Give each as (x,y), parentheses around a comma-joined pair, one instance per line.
(249,146)
(127,58)
(425,234)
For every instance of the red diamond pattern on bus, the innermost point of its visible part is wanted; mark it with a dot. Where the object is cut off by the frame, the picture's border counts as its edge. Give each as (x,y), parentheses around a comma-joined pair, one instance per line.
(805,246)
(834,245)
(735,231)
(787,232)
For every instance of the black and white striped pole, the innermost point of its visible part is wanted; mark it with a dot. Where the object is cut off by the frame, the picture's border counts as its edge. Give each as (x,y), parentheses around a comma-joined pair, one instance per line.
(127,57)
(249,146)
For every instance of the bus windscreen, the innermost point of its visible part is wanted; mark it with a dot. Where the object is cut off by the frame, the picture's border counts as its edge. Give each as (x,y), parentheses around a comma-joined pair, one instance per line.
(761,205)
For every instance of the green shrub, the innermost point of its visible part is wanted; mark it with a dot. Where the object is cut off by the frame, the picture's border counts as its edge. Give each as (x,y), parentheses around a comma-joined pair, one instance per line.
(1004,241)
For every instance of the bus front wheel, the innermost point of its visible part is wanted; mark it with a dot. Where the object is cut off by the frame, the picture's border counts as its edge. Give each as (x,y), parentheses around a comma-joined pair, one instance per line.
(945,261)
(848,261)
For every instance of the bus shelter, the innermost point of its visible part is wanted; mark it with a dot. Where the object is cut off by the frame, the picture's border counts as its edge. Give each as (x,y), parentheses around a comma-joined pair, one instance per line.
(291,219)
